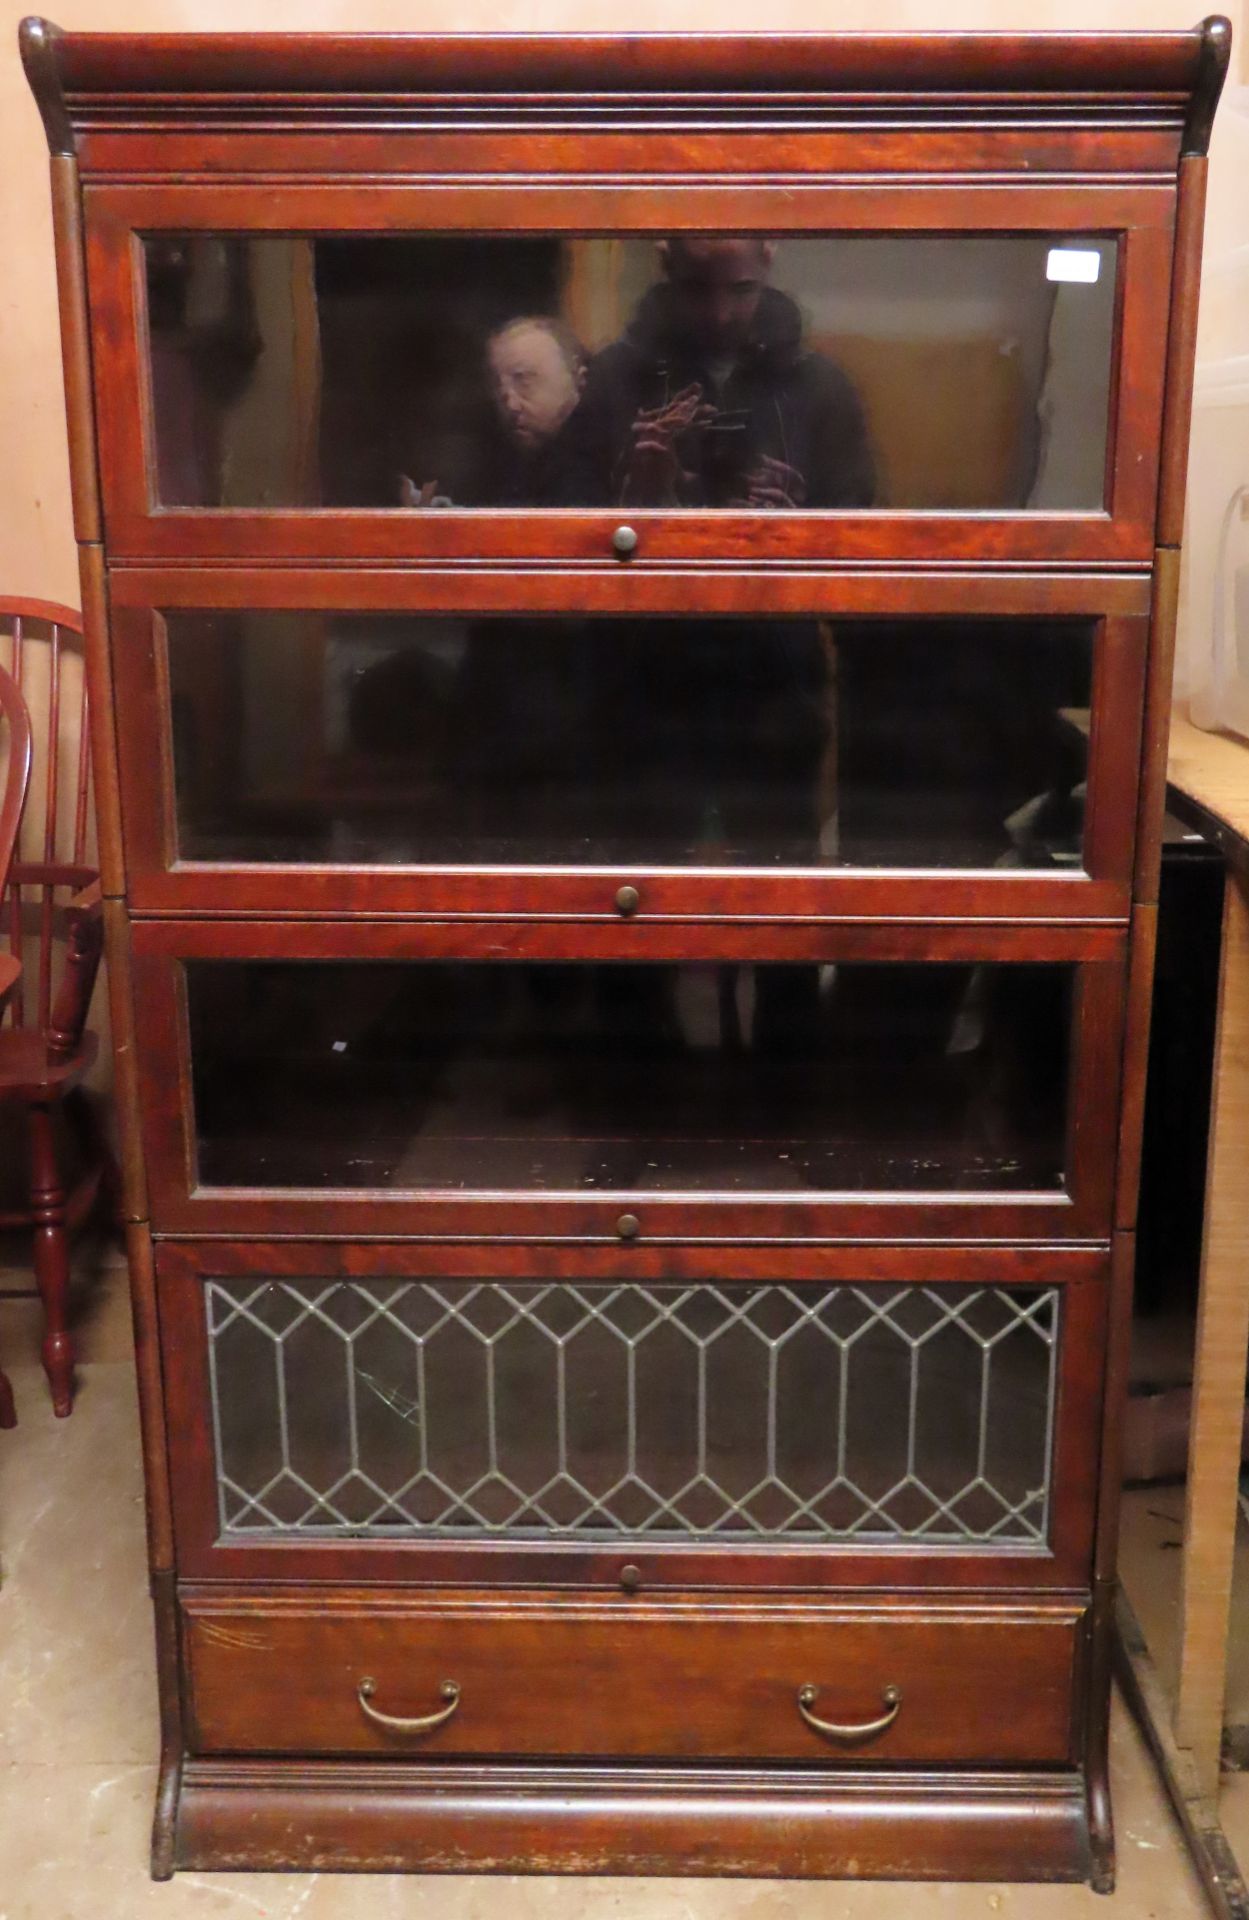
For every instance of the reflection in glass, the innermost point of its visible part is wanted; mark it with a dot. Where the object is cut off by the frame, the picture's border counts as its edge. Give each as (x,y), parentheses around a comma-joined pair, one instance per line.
(397,740)
(954,373)
(572,1078)
(535,1410)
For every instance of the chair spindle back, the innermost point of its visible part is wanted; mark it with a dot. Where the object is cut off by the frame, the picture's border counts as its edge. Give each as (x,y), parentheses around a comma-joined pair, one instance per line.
(52,854)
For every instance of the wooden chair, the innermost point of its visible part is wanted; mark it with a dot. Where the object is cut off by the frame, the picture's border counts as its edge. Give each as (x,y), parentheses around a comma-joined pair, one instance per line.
(16,769)
(53,910)
(10,973)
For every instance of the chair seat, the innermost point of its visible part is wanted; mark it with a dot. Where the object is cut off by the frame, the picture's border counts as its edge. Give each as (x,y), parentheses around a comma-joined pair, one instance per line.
(26,1071)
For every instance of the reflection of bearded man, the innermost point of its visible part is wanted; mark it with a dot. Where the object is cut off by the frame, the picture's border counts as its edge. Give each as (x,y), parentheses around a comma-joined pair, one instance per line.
(712,399)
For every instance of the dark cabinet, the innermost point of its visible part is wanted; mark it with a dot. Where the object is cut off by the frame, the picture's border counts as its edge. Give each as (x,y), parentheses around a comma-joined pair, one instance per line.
(629,591)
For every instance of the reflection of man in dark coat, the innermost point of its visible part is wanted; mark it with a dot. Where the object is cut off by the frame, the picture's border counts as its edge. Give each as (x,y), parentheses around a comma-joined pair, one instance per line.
(712,399)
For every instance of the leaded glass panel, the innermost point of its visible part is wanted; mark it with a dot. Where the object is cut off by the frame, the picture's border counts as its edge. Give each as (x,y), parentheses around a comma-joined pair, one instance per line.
(670,1410)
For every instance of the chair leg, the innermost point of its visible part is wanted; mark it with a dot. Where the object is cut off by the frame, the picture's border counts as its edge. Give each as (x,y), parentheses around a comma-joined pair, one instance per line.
(47,1205)
(8,1412)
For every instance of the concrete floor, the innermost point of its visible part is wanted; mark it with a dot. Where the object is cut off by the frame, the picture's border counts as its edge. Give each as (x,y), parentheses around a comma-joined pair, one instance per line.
(78,1715)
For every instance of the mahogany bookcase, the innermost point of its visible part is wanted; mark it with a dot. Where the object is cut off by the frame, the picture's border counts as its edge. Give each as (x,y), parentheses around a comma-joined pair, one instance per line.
(629,590)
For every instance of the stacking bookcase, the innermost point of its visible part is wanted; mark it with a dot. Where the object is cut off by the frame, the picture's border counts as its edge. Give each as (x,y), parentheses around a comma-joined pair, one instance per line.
(629,587)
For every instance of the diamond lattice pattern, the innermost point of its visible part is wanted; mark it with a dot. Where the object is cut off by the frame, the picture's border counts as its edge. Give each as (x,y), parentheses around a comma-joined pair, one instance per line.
(528,1409)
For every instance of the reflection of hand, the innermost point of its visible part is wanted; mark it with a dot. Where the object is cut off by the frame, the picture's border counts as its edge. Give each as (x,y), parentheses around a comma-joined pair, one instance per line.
(774,483)
(655,474)
(410,495)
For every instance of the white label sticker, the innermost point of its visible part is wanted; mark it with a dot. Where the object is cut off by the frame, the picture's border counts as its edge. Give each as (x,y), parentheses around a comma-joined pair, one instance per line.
(1073,263)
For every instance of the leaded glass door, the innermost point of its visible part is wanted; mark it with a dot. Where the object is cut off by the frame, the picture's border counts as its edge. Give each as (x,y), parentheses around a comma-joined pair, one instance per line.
(684,1419)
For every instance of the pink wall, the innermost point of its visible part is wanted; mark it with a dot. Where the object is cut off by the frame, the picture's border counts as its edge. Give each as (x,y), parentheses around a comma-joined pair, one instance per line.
(36,545)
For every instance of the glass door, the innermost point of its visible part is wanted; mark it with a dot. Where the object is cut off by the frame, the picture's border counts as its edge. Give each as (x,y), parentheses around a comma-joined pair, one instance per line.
(543,1080)
(659,374)
(841,753)
(798,1429)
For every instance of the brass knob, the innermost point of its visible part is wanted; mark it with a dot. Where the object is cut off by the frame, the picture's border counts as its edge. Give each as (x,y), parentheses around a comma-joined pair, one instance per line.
(625,541)
(628,1226)
(630,1578)
(627,900)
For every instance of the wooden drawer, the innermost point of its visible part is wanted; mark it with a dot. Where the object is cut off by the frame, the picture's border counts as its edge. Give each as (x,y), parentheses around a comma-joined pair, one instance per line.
(688,1679)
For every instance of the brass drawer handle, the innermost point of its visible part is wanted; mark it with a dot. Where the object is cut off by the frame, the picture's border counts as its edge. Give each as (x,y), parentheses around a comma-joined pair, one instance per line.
(393,1723)
(863,1730)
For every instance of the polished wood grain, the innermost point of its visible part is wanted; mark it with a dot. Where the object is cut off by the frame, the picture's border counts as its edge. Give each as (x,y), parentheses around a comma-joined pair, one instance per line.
(964,67)
(585,898)
(852,590)
(126,1096)
(101,718)
(181,1261)
(1181,349)
(409,937)
(1099,1655)
(914,1824)
(694,200)
(1115,1390)
(145,1315)
(172,1740)
(426,144)
(1135,1064)
(699,1680)
(1157,726)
